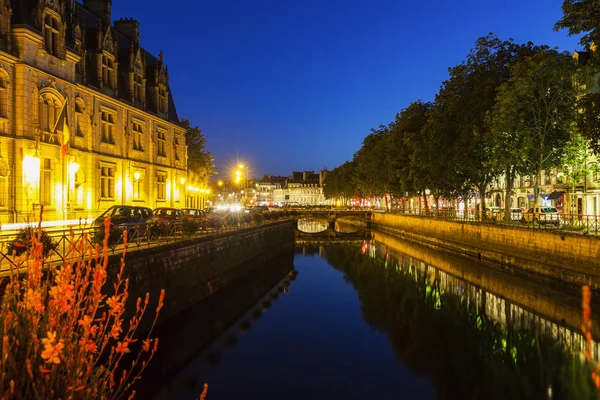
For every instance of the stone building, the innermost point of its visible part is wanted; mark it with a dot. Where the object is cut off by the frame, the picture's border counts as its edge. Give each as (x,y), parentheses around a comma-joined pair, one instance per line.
(303,189)
(87,119)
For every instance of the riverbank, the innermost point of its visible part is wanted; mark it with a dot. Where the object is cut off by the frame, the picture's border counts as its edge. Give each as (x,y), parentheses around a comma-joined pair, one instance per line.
(562,258)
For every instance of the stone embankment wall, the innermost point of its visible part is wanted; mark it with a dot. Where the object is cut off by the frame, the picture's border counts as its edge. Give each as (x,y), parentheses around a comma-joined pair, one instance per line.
(191,270)
(565,257)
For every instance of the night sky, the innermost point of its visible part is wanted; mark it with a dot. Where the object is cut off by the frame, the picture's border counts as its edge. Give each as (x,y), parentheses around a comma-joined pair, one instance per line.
(286,85)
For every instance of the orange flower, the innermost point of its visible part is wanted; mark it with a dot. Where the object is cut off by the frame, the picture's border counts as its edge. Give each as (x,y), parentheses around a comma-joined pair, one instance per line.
(33,301)
(146,344)
(52,352)
(122,347)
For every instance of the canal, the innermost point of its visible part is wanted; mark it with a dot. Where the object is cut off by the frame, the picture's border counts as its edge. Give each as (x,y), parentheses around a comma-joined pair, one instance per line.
(378,319)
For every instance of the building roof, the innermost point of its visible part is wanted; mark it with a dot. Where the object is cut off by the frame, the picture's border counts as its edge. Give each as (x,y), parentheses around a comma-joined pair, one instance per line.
(24,15)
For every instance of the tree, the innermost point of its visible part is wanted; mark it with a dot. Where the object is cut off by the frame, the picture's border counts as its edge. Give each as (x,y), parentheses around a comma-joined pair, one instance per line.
(340,182)
(199,161)
(581,17)
(371,172)
(458,127)
(408,150)
(536,107)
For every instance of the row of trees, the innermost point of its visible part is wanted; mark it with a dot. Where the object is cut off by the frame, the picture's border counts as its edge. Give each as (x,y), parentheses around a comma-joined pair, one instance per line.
(508,109)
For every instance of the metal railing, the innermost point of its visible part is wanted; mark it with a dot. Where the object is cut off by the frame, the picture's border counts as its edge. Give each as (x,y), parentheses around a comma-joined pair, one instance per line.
(138,238)
(575,223)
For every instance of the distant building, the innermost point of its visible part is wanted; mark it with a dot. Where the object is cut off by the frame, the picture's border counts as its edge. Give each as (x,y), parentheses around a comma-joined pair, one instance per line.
(87,119)
(265,188)
(303,189)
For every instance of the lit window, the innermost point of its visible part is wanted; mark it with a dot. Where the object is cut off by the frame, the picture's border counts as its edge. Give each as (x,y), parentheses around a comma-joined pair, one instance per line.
(46,182)
(108,127)
(52,35)
(107,181)
(161,186)
(162,143)
(138,136)
(138,185)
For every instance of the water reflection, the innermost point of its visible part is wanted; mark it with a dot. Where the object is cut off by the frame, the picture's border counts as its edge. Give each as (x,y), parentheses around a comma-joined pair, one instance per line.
(346,227)
(383,319)
(312,225)
(471,342)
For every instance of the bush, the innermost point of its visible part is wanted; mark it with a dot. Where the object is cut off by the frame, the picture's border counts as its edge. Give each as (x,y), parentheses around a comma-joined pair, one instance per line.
(257,218)
(23,241)
(64,332)
(189,226)
(215,221)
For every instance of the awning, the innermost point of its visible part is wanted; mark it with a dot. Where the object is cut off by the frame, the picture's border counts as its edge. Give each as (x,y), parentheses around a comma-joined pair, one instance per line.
(555,195)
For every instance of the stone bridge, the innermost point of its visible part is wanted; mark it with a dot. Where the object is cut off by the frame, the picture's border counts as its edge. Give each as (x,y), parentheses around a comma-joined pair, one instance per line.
(334,224)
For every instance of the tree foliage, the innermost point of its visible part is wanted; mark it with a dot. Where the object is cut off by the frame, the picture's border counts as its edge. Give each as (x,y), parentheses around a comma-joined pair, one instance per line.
(199,161)
(581,17)
(536,106)
(339,182)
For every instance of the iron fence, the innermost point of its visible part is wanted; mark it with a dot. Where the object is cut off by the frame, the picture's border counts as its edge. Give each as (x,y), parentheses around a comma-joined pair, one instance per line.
(575,223)
(137,238)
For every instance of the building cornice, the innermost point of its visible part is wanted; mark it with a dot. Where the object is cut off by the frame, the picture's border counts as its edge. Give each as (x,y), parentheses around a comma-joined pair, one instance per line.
(101,96)
(27,34)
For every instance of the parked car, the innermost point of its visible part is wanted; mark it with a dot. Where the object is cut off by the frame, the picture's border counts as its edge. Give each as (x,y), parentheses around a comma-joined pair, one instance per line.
(542,214)
(130,218)
(168,215)
(196,215)
(515,215)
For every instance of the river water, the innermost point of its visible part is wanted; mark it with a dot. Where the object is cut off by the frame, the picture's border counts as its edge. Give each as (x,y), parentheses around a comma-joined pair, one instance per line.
(380,319)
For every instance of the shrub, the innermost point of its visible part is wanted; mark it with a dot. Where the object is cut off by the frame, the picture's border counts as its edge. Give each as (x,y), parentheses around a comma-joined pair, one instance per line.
(63,334)
(189,226)
(257,218)
(232,219)
(23,240)
(215,221)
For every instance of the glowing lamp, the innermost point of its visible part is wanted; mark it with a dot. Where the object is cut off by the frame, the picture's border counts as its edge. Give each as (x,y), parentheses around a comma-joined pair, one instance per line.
(136,175)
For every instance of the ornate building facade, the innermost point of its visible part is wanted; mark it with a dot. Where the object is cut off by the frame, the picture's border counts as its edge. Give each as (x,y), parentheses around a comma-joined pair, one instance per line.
(87,119)
(303,189)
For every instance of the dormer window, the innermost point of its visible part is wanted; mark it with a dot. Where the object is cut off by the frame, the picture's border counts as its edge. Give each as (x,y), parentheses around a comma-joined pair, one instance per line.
(137,87)
(162,100)
(52,34)
(108,70)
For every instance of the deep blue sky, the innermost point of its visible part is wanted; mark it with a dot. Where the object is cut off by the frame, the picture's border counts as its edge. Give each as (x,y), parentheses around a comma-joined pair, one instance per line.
(297,84)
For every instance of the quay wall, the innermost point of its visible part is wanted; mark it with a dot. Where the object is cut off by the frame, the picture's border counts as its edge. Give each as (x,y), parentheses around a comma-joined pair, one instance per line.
(563,257)
(191,270)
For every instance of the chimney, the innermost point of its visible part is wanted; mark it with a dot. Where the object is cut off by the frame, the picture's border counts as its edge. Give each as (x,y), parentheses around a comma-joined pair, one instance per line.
(130,28)
(99,7)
